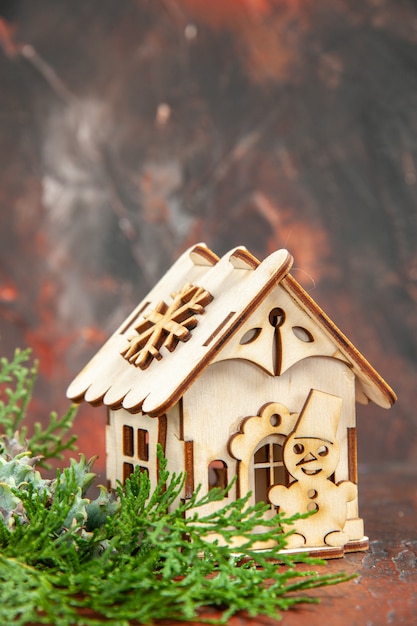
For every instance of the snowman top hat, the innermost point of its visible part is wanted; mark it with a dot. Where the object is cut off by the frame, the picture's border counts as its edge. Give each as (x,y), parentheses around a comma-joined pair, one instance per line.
(319,417)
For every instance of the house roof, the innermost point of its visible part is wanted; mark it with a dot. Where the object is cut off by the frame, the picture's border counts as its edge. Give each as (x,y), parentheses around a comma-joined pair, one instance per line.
(194,311)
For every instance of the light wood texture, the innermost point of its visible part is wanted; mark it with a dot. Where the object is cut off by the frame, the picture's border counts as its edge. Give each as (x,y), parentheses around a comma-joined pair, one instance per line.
(226,416)
(279,334)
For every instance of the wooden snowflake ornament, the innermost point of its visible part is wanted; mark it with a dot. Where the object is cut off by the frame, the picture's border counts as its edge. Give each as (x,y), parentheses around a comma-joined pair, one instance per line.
(166,325)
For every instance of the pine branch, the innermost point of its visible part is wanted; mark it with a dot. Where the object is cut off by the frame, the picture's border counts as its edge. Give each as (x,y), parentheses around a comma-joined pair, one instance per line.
(16,385)
(48,443)
(17,380)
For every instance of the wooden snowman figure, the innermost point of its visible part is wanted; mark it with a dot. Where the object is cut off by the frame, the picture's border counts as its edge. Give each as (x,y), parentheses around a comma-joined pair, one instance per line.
(311,455)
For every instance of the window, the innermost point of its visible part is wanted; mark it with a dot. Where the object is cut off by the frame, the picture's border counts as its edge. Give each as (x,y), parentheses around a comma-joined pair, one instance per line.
(136,437)
(127,441)
(217,474)
(302,334)
(143,444)
(269,470)
(250,336)
(127,470)
(135,450)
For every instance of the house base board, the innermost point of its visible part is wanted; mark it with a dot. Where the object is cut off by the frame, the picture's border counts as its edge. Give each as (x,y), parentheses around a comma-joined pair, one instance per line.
(329,552)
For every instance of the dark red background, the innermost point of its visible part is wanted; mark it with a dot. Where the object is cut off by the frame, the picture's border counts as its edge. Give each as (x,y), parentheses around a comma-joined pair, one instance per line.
(130,130)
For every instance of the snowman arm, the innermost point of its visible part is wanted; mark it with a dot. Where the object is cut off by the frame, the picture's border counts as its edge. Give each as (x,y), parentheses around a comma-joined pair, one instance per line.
(277,494)
(350,490)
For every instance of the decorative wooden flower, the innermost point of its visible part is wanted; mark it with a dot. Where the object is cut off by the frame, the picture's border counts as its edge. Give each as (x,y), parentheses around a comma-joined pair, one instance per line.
(166,325)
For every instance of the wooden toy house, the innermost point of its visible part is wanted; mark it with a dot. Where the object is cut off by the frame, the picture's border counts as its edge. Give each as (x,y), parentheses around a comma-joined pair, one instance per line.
(233,368)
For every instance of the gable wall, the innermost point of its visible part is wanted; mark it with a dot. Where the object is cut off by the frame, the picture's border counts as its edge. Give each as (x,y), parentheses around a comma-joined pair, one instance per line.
(276,349)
